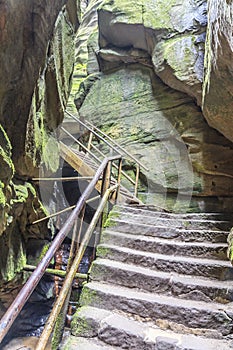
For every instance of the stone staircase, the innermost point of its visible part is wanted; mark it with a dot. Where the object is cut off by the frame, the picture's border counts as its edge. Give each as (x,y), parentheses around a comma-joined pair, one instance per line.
(160,281)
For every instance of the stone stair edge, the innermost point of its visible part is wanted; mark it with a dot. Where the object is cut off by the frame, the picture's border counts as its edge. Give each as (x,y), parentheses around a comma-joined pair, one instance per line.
(142,333)
(165,240)
(122,208)
(163,299)
(174,275)
(102,248)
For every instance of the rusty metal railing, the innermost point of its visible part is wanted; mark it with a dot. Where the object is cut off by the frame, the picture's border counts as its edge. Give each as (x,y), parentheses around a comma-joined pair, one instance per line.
(104,172)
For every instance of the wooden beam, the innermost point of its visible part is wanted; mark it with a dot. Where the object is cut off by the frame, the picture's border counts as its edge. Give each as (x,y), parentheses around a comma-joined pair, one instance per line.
(76,162)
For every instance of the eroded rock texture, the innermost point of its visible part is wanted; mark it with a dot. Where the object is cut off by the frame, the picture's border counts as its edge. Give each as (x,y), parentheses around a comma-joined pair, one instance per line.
(140,75)
(218,89)
(36,64)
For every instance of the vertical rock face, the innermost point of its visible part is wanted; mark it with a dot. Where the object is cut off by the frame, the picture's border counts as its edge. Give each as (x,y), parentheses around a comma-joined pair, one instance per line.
(120,91)
(31,64)
(171,32)
(36,64)
(218,87)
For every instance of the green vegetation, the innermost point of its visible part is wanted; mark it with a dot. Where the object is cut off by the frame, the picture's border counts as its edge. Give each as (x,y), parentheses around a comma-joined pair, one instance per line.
(79,324)
(2,196)
(102,251)
(88,296)
(111,219)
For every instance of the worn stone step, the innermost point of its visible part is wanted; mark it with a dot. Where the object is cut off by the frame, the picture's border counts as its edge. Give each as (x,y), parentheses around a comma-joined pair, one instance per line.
(148,212)
(183,235)
(165,246)
(195,314)
(221,270)
(127,333)
(174,222)
(181,286)
(122,225)
(167,232)
(80,343)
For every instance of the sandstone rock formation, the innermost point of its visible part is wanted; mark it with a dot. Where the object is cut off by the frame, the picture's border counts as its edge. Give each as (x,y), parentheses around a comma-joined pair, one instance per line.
(218,87)
(36,64)
(138,74)
(118,89)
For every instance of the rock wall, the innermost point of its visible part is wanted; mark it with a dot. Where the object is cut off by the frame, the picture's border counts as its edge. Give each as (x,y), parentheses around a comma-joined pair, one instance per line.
(139,76)
(218,87)
(36,65)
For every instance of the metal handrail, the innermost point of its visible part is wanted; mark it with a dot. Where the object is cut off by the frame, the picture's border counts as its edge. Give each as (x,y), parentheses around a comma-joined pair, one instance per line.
(114,147)
(71,274)
(118,146)
(17,305)
(80,144)
(91,127)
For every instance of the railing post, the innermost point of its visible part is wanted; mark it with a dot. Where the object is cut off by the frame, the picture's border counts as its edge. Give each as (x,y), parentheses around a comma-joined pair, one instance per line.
(70,275)
(137,180)
(106,181)
(106,178)
(118,179)
(61,319)
(90,141)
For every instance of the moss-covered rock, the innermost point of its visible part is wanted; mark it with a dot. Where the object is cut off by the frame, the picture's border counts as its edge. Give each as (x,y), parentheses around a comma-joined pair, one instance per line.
(7,166)
(50,98)
(217,87)
(170,32)
(153,122)
(22,207)
(85,53)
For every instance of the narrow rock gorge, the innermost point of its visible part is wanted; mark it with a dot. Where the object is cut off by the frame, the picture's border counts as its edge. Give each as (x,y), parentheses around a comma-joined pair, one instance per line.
(36,65)
(156,76)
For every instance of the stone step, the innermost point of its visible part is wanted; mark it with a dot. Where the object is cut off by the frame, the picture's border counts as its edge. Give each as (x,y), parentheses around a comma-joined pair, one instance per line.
(180,286)
(165,246)
(167,232)
(221,270)
(175,220)
(183,235)
(74,343)
(195,314)
(122,331)
(137,226)
(148,212)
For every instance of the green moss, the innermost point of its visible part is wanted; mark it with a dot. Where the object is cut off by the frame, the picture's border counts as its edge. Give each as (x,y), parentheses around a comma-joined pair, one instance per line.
(110,222)
(58,331)
(151,14)
(22,192)
(79,324)
(88,297)
(44,251)
(102,251)
(7,166)
(2,196)
(177,50)
(15,262)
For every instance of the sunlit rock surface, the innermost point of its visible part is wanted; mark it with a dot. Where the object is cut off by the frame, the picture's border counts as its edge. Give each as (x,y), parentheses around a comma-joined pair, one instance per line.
(120,91)
(218,88)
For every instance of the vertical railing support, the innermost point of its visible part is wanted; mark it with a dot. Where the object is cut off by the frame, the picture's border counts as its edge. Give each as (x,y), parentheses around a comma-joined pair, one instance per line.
(118,179)
(90,141)
(137,180)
